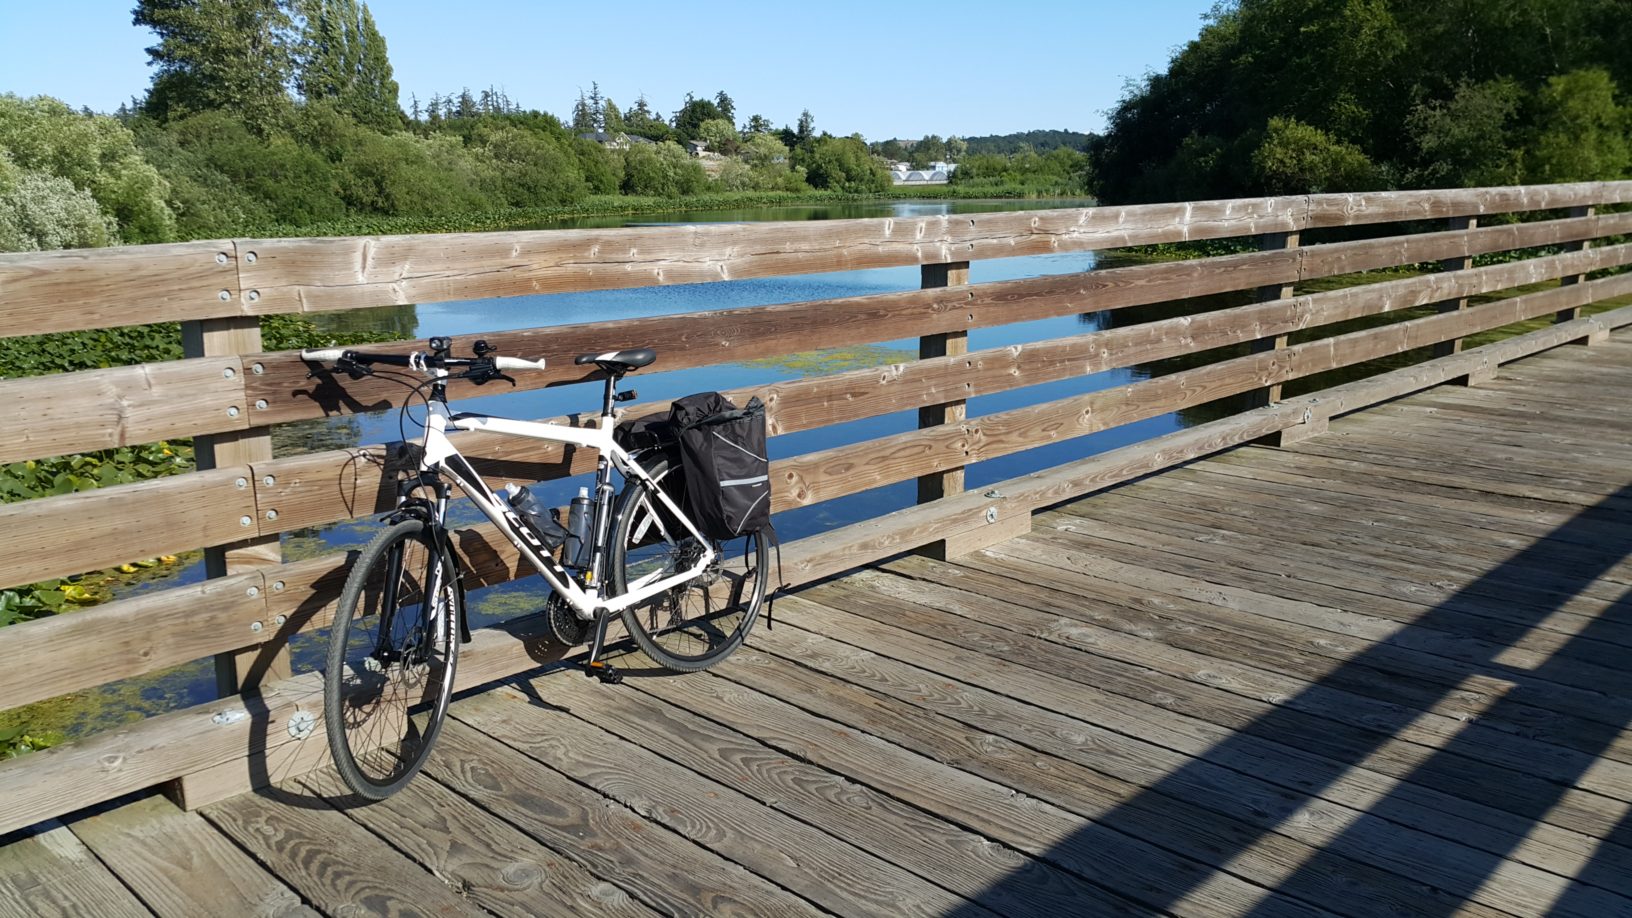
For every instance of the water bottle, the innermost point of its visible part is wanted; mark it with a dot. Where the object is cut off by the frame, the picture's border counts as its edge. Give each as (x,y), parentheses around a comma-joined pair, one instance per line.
(535,516)
(579,518)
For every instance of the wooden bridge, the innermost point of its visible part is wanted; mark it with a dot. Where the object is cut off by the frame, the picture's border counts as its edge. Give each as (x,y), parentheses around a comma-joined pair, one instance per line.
(1356,649)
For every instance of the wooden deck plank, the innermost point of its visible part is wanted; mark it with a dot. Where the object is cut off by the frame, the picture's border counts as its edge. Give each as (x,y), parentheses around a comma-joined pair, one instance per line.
(1410,526)
(1042,687)
(181,865)
(1240,785)
(1341,584)
(659,867)
(974,731)
(1170,637)
(964,862)
(1526,584)
(490,862)
(1230,571)
(1242,625)
(785,851)
(1126,868)
(1189,706)
(51,873)
(336,865)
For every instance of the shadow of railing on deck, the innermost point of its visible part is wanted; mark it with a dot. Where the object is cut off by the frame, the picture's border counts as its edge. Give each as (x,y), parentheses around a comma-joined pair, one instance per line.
(1565,562)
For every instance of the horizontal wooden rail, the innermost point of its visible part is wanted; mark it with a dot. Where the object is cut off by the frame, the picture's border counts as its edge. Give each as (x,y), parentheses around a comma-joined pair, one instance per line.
(98,409)
(258,747)
(310,490)
(299,596)
(63,291)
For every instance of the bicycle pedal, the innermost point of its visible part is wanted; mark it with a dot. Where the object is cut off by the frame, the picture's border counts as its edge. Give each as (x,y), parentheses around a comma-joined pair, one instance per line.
(606,672)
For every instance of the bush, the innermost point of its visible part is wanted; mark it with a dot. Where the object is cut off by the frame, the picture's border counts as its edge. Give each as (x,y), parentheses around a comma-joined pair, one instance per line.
(843,164)
(1295,158)
(40,211)
(661,170)
(94,154)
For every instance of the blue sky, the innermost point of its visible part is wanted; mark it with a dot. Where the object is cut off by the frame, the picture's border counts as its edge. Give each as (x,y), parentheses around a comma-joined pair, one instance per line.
(883,69)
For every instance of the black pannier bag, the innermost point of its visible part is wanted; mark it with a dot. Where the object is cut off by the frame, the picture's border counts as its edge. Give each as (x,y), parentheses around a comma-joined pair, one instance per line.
(727,472)
(652,436)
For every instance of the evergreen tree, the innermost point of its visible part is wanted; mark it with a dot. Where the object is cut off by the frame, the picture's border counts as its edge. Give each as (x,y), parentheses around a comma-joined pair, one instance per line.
(596,113)
(757,124)
(806,130)
(583,117)
(214,55)
(343,60)
(728,109)
(467,104)
(611,118)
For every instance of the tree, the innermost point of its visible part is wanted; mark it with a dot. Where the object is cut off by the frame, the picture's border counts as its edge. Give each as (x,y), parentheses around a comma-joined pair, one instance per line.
(1468,139)
(597,114)
(611,118)
(806,130)
(692,115)
(1581,133)
(842,164)
(662,170)
(41,211)
(97,156)
(720,136)
(757,124)
(728,109)
(583,117)
(217,55)
(642,121)
(1296,158)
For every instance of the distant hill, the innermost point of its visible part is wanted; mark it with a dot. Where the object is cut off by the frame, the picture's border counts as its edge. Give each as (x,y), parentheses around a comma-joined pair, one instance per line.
(1040,141)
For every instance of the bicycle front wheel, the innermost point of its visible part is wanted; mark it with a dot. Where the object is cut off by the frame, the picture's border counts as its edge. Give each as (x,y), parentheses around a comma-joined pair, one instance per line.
(392,649)
(699,623)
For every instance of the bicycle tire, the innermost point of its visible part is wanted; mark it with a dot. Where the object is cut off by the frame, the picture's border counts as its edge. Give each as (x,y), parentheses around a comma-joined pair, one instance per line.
(386,691)
(682,629)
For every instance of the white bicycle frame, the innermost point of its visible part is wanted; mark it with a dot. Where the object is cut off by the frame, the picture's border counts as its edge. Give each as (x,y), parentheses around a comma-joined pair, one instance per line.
(440,454)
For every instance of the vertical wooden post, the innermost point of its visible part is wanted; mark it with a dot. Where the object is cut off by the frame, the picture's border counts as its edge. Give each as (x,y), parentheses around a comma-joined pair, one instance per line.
(942,484)
(1269,395)
(1458,263)
(242,669)
(1574,312)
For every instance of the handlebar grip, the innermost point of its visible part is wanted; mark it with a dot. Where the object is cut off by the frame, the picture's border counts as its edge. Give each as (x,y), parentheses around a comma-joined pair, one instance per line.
(516,363)
(323,355)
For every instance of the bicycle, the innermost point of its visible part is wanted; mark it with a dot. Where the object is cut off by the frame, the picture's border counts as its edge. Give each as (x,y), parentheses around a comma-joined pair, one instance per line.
(687,601)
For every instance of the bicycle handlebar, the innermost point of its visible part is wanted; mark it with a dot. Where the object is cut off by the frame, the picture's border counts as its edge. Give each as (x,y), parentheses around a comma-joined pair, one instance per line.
(334,354)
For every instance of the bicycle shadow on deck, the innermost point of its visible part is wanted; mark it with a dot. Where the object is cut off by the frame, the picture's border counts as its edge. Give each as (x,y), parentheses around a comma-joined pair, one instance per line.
(1565,562)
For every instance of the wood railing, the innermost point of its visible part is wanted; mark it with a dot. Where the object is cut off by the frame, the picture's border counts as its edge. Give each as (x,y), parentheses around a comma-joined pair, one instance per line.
(229,395)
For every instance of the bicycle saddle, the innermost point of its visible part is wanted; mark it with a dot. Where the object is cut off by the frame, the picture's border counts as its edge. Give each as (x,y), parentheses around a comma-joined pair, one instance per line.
(619,361)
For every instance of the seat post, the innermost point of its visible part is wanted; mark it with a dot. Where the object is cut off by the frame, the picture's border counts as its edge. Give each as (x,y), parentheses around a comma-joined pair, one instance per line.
(610,394)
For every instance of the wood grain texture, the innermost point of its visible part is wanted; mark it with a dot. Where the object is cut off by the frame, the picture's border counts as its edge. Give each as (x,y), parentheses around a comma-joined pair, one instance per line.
(122,406)
(1390,206)
(181,866)
(493,864)
(704,338)
(792,854)
(339,484)
(659,867)
(125,285)
(129,637)
(341,273)
(960,860)
(73,533)
(334,863)
(51,873)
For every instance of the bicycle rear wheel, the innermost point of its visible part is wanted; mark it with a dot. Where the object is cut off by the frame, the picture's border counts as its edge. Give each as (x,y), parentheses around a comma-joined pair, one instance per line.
(392,650)
(699,623)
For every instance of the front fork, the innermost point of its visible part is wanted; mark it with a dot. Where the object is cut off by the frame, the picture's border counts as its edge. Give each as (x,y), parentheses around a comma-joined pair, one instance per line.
(431,511)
